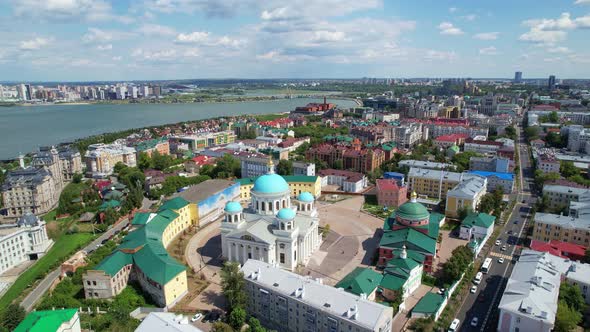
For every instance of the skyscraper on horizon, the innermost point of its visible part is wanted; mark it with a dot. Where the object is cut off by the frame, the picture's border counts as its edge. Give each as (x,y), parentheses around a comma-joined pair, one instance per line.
(518,77)
(551,83)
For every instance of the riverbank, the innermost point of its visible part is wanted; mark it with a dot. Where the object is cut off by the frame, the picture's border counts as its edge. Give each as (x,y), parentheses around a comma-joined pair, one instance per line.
(24,131)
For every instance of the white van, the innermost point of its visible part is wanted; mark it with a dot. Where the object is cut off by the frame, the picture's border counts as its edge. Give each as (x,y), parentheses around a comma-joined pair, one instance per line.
(477,278)
(454,325)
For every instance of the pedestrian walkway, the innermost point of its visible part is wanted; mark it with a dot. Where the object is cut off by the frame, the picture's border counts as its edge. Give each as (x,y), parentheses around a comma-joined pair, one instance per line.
(495,254)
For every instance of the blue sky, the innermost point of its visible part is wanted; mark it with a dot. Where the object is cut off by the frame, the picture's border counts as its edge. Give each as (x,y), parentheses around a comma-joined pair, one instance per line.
(83,40)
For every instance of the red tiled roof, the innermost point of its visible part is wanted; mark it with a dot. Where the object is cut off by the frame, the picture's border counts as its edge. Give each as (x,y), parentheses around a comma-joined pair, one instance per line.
(471,140)
(451,137)
(386,184)
(558,248)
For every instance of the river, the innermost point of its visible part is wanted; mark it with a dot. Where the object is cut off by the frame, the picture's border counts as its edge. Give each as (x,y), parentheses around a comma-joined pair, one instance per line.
(24,128)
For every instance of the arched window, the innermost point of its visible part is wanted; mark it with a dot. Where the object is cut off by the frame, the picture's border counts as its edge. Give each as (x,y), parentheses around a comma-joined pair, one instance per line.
(277,206)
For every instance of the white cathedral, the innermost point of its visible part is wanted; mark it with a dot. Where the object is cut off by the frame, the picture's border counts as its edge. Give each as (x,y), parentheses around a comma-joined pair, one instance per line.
(271,229)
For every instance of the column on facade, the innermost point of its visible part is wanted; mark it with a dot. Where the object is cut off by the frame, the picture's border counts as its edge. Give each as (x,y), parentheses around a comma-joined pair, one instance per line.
(229,251)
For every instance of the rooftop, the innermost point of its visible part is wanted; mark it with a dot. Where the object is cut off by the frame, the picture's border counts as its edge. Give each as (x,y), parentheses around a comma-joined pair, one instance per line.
(503,176)
(360,281)
(479,219)
(310,291)
(429,303)
(166,322)
(45,321)
(204,190)
(566,222)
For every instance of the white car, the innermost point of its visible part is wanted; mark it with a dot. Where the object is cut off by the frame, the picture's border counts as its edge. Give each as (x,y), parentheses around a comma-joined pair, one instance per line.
(473,289)
(196,317)
(498,242)
(503,248)
(474,321)
(454,325)
(501,260)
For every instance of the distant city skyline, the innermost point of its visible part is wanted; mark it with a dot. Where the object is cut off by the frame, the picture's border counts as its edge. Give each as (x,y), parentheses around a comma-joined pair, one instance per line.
(83,40)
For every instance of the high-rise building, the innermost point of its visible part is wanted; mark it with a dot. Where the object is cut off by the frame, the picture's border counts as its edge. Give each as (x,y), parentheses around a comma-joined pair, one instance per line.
(518,77)
(551,83)
(22,91)
(133,92)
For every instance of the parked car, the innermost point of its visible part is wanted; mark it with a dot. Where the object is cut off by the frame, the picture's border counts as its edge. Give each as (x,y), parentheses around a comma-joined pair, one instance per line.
(454,325)
(501,260)
(473,289)
(474,321)
(504,248)
(498,242)
(104,241)
(196,317)
(441,291)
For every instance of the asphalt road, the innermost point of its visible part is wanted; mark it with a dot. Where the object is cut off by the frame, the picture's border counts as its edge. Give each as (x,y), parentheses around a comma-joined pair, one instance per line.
(35,295)
(484,303)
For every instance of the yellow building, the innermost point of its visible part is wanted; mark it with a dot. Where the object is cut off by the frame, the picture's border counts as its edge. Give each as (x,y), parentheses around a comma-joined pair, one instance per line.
(297,185)
(465,195)
(561,228)
(142,257)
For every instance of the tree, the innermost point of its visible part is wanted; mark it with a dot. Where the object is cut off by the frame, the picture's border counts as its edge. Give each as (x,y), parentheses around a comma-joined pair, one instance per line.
(461,160)
(572,295)
(227,167)
(12,316)
(110,216)
(254,325)
(285,167)
(144,161)
(532,133)
(553,117)
(567,169)
(455,266)
(566,318)
(338,164)
(118,167)
(463,212)
(232,284)
(237,318)
(423,325)
(510,132)
(77,178)
(221,327)
(161,161)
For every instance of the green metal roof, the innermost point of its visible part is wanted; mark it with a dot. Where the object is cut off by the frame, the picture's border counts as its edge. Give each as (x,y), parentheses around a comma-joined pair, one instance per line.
(114,263)
(478,219)
(151,257)
(413,254)
(109,204)
(412,211)
(149,144)
(140,218)
(429,304)
(288,178)
(360,281)
(397,265)
(45,321)
(392,282)
(175,203)
(411,238)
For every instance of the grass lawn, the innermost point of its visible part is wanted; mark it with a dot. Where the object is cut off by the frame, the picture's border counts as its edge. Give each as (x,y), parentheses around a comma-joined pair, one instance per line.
(377,210)
(62,249)
(270,117)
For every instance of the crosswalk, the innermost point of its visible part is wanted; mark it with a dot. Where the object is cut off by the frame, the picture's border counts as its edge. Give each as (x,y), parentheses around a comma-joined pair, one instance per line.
(499,255)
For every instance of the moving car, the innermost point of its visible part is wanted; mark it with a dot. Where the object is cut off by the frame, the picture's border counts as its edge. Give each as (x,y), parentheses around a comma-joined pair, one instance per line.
(454,325)
(501,260)
(196,317)
(473,289)
(474,321)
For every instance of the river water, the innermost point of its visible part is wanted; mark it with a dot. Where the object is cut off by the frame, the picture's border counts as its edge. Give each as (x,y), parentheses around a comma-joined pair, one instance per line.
(24,128)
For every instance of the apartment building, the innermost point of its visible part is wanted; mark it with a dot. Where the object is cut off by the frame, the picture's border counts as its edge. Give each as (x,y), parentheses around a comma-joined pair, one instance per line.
(548,164)
(29,190)
(529,302)
(570,229)
(204,140)
(425,164)
(578,139)
(150,146)
(347,181)
(355,157)
(560,196)
(503,181)
(23,241)
(435,183)
(303,168)
(102,158)
(491,164)
(256,166)
(285,301)
(483,147)
(465,195)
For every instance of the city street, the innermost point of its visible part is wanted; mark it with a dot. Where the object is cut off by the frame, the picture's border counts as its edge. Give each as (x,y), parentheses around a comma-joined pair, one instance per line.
(483,304)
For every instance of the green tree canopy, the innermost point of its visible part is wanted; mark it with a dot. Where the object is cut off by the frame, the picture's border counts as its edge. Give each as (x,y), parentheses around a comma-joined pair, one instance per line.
(12,316)
(572,295)
(285,167)
(566,318)
(232,284)
(237,318)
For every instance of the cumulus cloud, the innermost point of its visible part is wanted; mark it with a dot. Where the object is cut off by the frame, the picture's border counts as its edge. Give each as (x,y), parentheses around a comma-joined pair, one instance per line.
(486,35)
(95,35)
(156,30)
(447,28)
(453,10)
(558,49)
(106,47)
(551,31)
(35,43)
(192,38)
(324,36)
(67,10)
(582,2)
(432,55)
(488,51)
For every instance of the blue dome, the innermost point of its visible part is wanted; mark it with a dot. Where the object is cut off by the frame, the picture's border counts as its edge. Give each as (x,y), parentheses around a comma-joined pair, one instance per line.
(233,207)
(286,214)
(270,183)
(305,197)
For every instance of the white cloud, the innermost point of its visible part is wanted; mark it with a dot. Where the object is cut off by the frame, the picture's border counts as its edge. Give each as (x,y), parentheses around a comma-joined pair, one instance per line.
(95,35)
(105,47)
(156,30)
(431,55)
(324,36)
(192,52)
(192,38)
(488,51)
(486,35)
(582,2)
(543,37)
(564,22)
(447,28)
(117,58)
(277,14)
(469,17)
(229,42)
(35,43)
(67,10)
(453,10)
(558,49)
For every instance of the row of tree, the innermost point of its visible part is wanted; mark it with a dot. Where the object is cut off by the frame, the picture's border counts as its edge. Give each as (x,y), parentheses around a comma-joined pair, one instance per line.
(456,265)
(570,308)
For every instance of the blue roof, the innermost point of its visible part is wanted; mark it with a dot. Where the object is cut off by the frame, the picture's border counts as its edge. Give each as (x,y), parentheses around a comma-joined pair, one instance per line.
(233,207)
(503,176)
(305,197)
(286,214)
(393,175)
(270,183)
